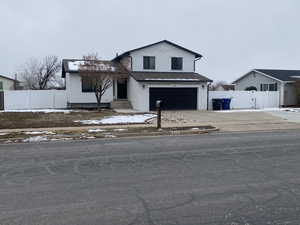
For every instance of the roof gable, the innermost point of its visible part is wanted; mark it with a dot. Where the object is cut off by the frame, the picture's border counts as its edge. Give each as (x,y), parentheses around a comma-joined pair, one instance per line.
(8,78)
(197,55)
(278,75)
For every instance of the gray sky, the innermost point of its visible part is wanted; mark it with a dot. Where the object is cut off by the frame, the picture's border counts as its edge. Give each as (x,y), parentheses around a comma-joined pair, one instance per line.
(234,36)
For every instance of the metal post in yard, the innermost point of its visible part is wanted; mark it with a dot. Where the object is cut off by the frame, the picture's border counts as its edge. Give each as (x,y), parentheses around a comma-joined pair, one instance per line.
(158,107)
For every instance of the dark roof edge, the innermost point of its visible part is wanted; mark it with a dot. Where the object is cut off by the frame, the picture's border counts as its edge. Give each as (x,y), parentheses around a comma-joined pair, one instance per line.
(198,55)
(8,78)
(205,79)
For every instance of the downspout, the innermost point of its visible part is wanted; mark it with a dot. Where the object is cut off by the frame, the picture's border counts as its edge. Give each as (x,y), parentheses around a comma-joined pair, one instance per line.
(196,59)
(208,87)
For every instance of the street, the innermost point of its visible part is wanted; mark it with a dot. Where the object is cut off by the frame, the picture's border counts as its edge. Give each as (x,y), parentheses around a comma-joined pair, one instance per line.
(211,179)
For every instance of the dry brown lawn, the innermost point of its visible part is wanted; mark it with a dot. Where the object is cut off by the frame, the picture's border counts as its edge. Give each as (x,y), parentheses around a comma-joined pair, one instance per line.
(13,120)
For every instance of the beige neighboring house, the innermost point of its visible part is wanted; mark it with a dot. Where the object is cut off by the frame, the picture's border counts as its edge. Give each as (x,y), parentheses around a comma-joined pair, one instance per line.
(7,83)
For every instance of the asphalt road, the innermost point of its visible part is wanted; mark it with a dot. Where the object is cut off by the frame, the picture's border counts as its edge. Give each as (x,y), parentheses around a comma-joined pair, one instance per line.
(215,179)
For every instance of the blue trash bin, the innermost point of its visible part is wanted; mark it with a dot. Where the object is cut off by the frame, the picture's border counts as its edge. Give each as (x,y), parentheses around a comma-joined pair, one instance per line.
(226,103)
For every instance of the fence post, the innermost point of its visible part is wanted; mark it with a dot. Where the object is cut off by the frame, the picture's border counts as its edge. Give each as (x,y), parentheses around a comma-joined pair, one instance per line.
(1,100)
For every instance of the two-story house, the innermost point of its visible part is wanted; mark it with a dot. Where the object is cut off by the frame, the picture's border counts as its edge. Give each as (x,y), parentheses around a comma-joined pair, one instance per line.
(160,71)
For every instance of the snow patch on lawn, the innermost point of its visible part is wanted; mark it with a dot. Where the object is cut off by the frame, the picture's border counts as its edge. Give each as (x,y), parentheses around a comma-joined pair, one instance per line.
(109,136)
(248,110)
(120,130)
(36,139)
(39,111)
(129,119)
(95,130)
(39,132)
(3,134)
(261,110)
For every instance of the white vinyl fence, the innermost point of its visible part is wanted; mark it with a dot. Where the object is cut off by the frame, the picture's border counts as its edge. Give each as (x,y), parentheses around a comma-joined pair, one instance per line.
(35,99)
(248,99)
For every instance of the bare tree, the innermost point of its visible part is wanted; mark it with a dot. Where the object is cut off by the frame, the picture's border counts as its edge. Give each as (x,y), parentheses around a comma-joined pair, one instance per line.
(38,74)
(216,84)
(100,74)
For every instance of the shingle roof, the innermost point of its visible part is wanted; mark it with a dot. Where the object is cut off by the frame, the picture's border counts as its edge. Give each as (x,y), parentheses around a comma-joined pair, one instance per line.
(283,75)
(8,78)
(169,77)
(72,66)
(197,55)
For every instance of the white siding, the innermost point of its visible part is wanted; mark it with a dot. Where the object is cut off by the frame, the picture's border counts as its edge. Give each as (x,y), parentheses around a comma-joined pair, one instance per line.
(163,53)
(7,84)
(254,79)
(75,94)
(139,93)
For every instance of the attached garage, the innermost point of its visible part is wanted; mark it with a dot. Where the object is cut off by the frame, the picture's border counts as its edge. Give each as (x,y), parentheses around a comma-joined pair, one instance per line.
(177,91)
(174,98)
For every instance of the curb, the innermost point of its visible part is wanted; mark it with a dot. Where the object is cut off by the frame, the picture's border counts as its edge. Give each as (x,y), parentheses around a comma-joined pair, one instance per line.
(123,135)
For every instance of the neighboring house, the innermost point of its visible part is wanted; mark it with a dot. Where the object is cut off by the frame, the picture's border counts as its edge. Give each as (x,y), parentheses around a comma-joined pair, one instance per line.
(7,83)
(284,81)
(160,71)
(224,87)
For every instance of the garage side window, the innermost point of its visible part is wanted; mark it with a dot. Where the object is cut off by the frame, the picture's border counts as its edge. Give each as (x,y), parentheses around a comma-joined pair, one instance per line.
(176,63)
(1,86)
(87,84)
(149,62)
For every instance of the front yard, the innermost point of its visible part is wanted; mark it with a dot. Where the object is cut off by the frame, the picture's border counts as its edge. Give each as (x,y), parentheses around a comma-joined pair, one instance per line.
(65,118)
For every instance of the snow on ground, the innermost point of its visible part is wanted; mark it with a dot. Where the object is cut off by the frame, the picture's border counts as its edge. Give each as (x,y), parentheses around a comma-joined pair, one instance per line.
(39,110)
(3,134)
(128,119)
(109,136)
(39,132)
(120,130)
(95,130)
(260,110)
(36,139)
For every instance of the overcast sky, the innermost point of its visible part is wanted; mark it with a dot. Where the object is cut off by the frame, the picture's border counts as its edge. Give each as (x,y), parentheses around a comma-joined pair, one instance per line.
(234,36)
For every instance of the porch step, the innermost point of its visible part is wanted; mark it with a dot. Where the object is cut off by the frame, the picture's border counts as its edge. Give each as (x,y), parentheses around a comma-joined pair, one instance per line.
(121,104)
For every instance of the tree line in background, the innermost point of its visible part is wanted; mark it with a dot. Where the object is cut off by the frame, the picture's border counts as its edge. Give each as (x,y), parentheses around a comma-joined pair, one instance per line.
(41,74)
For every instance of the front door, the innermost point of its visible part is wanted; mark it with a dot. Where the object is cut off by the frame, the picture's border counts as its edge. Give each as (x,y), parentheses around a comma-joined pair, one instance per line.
(122,89)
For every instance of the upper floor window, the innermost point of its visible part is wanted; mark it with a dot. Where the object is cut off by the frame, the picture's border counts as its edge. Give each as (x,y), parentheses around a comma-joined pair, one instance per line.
(268,87)
(1,86)
(149,62)
(177,63)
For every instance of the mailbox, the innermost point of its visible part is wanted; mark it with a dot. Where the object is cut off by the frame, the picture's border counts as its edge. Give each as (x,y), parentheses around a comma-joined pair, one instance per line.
(158,103)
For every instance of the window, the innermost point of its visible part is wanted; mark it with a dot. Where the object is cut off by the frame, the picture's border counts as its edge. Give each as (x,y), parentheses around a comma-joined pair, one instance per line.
(268,87)
(1,86)
(177,63)
(87,84)
(272,87)
(149,62)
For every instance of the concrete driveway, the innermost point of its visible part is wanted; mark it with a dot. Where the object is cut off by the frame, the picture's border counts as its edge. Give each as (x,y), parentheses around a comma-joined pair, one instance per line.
(231,121)
(289,114)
